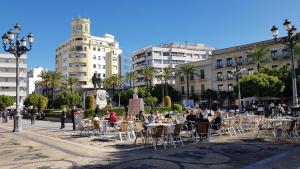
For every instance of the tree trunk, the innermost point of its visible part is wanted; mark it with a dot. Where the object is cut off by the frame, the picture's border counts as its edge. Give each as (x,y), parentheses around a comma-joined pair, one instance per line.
(188,87)
(71,86)
(53,96)
(119,98)
(130,83)
(166,84)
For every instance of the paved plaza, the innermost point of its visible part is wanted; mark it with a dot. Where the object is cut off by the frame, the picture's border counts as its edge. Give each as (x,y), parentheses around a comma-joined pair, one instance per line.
(46,146)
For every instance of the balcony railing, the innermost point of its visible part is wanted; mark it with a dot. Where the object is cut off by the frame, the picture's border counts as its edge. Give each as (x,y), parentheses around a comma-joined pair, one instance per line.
(220,66)
(220,78)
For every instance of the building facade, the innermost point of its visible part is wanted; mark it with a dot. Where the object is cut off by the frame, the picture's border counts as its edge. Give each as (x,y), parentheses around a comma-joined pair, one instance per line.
(166,55)
(217,69)
(83,54)
(8,77)
(33,76)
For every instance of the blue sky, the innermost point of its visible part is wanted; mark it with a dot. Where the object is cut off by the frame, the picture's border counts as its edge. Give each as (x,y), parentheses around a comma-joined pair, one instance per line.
(139,23)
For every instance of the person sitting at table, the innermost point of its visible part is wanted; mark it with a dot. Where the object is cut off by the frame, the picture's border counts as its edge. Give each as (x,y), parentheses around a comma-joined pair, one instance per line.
(140,116)
(95,118)
(191,118)
(217,121)
(151,117)
(113,118)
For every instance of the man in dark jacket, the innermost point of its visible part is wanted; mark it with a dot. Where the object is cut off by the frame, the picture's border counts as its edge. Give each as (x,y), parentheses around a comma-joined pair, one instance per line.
(32,115)
(63,117)
(73,117)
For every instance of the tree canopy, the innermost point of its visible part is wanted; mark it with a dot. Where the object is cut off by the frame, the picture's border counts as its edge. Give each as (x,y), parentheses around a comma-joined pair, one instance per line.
(6,101)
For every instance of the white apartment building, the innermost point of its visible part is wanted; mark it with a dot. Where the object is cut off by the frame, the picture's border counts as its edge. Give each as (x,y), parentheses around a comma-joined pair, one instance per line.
(83,54)
(33,76)
(166,55)
(8,76)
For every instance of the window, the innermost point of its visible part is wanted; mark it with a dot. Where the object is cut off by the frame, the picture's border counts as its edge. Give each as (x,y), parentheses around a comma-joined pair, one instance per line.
(82,82)
(274,54)
(202,76)
(78,27)
(157,61)
(103,74)
(99,57)
(182,90)
(103,57)
(99,66)
(192,89)
(220,63)
(149,54)
(166,62)
(240,60)
(181,78)
(229,75)
(229,62)
(94,48)
(94,66)
(94,57)
(220,87)
(192,76)
(202,87)
(250,71)
(103,66)
(157,53)
(197,56)
(166,54)
(219,76)
(230,87)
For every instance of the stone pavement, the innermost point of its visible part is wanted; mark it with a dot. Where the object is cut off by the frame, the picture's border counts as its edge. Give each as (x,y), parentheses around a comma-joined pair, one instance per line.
(46,146)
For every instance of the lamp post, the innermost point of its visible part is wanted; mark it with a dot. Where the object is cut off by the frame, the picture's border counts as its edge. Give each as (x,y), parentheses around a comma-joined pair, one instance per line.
(16,46)
(290,40)
(237,72)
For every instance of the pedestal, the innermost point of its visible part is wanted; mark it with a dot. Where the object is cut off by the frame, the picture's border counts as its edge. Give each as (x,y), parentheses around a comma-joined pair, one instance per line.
(17,123)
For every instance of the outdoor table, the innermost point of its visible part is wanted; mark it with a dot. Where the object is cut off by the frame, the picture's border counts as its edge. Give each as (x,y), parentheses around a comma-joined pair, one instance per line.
(277,123)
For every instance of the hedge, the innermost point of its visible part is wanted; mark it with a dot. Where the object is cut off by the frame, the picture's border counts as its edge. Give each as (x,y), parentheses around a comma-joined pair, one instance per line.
(55,113)
(160,109)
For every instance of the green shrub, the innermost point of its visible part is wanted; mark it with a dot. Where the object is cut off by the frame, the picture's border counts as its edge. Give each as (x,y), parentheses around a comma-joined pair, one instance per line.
(147,109)
(177,107)
(167,101)
(150,100)
(90,103)
(43,101)
(67,99)
(54,113)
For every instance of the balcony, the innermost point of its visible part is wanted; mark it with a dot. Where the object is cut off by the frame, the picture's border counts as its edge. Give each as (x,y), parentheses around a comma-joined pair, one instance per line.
(12,84)
(220,78)
(12,74)
(220,66)
(230,78)
(12,65)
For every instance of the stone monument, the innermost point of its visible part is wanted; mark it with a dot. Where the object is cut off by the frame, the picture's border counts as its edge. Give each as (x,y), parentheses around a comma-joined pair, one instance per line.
(136,104)
(100,97)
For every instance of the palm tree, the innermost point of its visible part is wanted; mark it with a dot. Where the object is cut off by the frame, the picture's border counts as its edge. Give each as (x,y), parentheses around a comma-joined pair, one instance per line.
(259,55)
(72,82)
(44,82)
(186,70)
(114,82)
(55,81)
(131,77)
(167,75)
(149,73)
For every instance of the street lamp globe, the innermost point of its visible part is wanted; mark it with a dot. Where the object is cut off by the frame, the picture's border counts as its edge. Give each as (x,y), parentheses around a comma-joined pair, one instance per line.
(30,38)
(10,35)
(17,27)
(23,42)
(274,31)
(287,25)
(4,39)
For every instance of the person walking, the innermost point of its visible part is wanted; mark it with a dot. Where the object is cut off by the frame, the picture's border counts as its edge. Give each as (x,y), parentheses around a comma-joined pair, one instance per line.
(63,117)
(32,115)
(73,117)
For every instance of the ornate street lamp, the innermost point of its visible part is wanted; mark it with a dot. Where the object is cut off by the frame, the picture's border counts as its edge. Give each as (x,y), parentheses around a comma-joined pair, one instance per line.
(290,40)
(16,46)
(237,72)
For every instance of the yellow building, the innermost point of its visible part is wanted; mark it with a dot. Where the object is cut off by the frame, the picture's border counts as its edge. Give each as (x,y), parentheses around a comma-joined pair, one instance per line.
(217,69)
(83,54)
